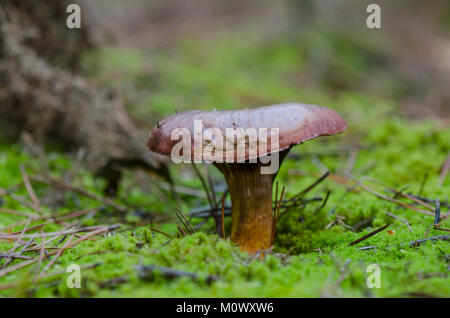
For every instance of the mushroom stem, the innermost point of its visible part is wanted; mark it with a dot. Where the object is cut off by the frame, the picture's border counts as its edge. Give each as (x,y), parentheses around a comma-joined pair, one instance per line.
(251,202)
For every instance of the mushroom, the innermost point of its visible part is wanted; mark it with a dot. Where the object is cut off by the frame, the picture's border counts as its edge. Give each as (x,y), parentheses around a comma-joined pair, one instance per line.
(249,186)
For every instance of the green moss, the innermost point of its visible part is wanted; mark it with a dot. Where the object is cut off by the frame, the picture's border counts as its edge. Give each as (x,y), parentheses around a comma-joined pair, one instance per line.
(311,245)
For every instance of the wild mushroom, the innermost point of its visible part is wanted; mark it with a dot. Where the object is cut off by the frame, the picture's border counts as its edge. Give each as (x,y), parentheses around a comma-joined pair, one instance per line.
(249,187)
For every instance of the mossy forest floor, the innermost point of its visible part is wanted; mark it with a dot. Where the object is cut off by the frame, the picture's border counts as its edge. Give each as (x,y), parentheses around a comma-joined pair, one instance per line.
(311,257)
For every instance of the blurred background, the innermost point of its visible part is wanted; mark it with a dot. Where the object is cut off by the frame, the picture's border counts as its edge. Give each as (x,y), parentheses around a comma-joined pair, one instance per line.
(306,45)
(158,56)
(77,106)
(99,90)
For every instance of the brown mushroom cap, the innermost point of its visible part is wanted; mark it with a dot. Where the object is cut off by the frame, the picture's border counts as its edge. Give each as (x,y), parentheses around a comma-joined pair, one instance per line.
(297,123)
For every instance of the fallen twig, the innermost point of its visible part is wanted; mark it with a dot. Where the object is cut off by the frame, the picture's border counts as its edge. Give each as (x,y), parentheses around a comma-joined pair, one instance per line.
(211,185)
(180,189)
(366,248)
(66,186)
(402,220)
(49,276)
(416,200)
(114,282)
(187,225)
(66,232)
(368,235)
(41,253)
(414,243)
(437,211)
(55,218)
(444,170)
(181,230)
(27,229)
(6,255)
(205,212)
(431,201)
(104,229)
(276,199)
(422,184)
(440,229)
(149,272)
(344,273)
(432,238)
(405,205)
(276,216)
(58,254)
(161,232)
(324,202)
(223,214)
(205,187)
(19,213)
(361,223)
(312,186)
(353,153)
(21,200)
(17,243)
(29,187)
(401,193)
